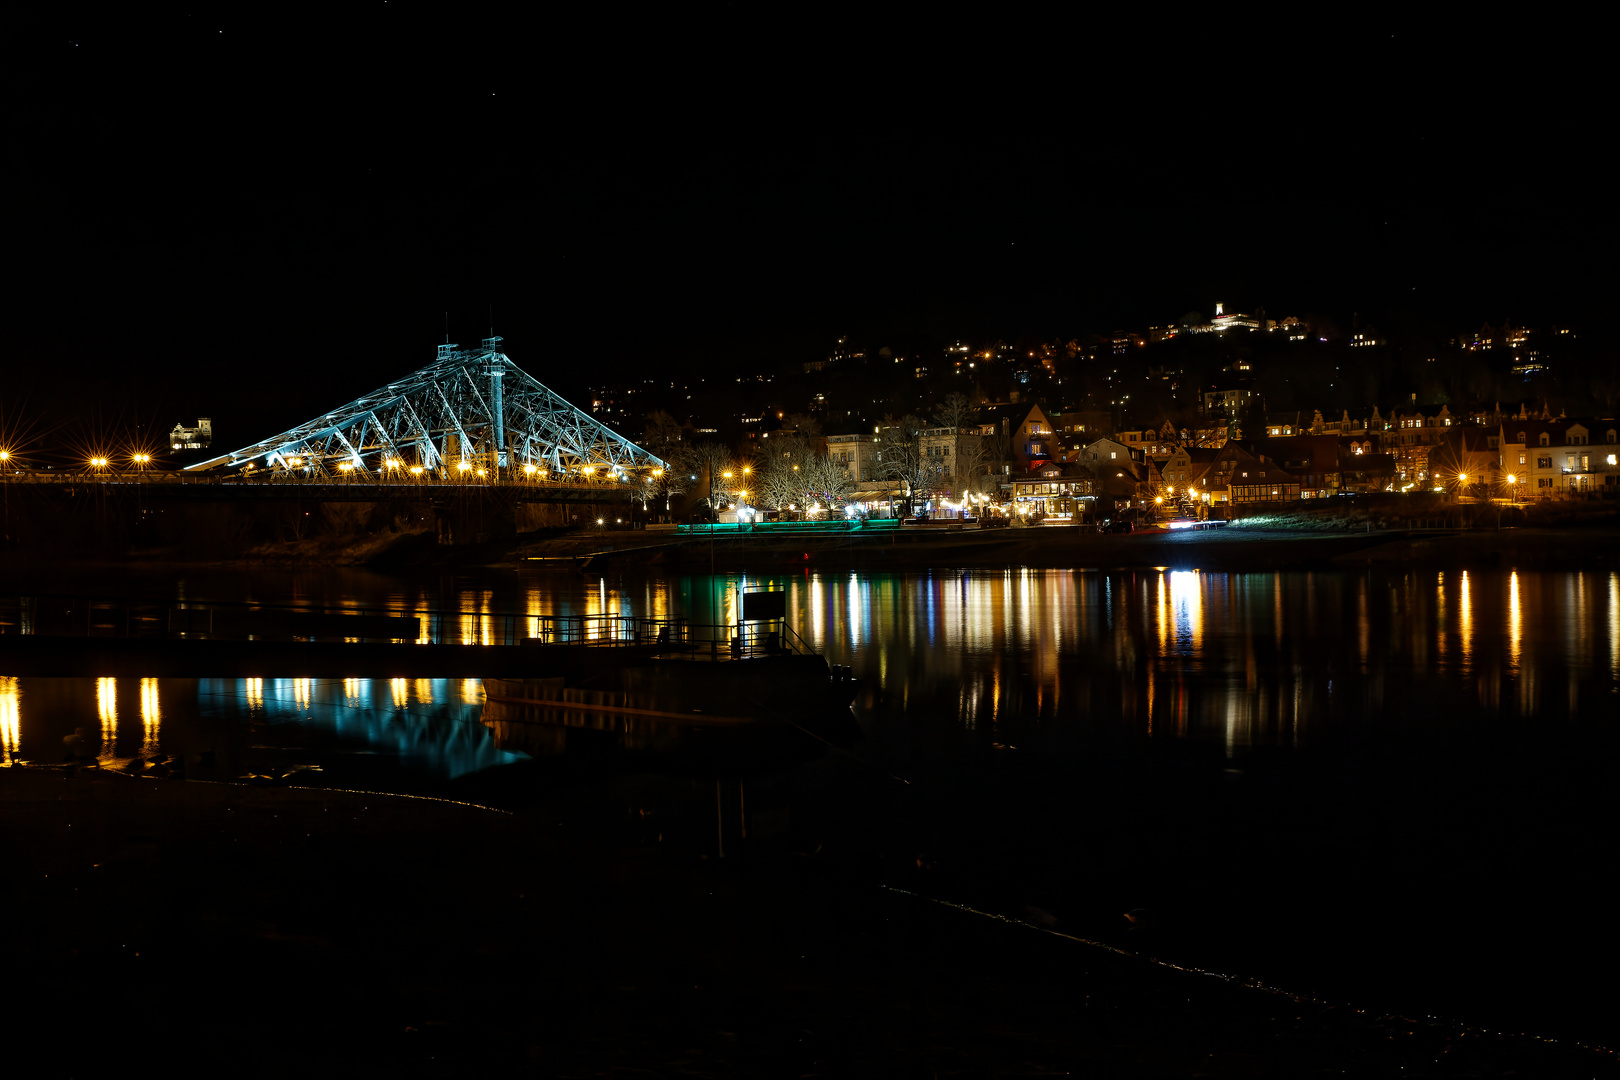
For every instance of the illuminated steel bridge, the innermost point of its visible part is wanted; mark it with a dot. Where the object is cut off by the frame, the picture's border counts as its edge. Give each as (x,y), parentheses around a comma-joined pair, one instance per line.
(472,412)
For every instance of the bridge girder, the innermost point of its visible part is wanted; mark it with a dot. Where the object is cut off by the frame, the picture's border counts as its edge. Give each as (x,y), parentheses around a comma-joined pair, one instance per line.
(469,408)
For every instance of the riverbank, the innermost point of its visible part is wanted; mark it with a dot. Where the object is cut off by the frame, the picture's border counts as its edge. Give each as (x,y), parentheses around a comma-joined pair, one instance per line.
(1237,548)
(231,927)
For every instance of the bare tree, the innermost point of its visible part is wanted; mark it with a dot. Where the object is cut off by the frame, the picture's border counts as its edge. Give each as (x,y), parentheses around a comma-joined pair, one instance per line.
(781,473)
(826,481)
(725,474)
(796,473)
(967,450)
(901,457)
(662,436)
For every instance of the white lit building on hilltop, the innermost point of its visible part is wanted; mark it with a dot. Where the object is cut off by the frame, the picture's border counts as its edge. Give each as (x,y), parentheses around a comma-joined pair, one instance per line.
(192,438)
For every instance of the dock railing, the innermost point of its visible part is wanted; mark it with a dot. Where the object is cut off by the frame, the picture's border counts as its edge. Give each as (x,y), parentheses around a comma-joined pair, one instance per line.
(61,615)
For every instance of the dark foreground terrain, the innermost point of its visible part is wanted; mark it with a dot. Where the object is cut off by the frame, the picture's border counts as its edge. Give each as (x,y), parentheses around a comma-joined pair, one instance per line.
(242,930)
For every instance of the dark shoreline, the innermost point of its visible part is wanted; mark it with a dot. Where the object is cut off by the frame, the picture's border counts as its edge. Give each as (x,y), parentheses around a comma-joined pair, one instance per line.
(430,938)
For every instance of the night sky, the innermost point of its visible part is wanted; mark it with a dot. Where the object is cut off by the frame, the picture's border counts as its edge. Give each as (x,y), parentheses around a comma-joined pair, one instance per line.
(256,216)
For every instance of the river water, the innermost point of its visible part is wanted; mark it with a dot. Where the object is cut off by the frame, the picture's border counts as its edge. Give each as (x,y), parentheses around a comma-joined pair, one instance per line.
(1388,787)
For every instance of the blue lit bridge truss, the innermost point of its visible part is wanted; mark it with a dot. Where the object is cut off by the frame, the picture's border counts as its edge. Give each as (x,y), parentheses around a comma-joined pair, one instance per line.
(471,410)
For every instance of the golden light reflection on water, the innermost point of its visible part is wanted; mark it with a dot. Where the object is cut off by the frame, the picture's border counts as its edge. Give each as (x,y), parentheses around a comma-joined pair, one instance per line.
(1164,620)
(355,691)
(1277,621)
(472,691)
(253,691)
(1577,616)
(10,718)
(301,693)
(151,716)
(1465,621)
(1363,623)
(1254,656)
(1614,625)
(107,709)
(1440,617)
(1515,621)
(424,691)
(1187,605)
(401,692)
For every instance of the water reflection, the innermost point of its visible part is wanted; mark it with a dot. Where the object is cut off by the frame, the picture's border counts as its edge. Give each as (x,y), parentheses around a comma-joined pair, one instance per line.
(427,726)
(10,719)
(1515,620)
(1614,625)
(1465,623)
(1241,659)
(107,709)
(151,717)
(1237,660)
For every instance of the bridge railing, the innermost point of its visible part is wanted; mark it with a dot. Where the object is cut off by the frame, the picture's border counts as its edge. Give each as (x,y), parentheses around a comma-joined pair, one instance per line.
(393,480)
(62,615)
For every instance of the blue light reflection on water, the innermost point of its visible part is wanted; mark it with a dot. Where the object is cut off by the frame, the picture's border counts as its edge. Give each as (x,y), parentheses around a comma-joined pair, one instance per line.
(427,726)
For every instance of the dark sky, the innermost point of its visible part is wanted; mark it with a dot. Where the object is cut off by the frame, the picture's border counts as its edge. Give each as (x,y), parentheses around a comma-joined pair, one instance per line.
(258,217)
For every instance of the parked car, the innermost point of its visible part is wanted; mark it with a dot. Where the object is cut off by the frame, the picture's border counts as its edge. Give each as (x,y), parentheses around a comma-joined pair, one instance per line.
(1117,525)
